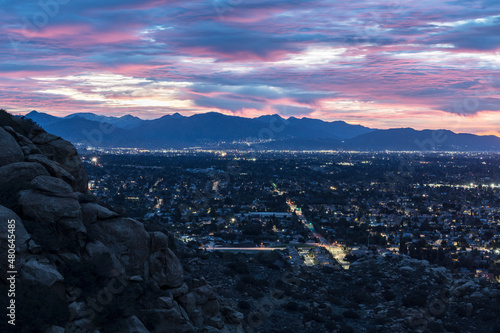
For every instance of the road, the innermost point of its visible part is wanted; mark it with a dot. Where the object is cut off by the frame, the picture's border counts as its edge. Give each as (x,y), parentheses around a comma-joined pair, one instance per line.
(335,249)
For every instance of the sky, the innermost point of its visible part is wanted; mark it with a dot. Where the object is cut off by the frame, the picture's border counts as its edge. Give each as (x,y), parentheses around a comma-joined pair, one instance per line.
(382,64)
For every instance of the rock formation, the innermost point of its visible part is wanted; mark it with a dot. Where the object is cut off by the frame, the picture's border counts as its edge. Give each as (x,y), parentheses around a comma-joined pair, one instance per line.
(82,267)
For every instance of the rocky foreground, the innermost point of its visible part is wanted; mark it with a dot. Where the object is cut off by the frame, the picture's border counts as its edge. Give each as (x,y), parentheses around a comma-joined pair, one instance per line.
(83,268)
(376,294)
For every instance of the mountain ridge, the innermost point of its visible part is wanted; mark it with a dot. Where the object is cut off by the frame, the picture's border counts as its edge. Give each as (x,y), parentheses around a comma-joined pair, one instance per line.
(214,129)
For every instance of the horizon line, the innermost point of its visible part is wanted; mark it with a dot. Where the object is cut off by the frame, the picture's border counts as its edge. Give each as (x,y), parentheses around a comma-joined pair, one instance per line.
(483,134)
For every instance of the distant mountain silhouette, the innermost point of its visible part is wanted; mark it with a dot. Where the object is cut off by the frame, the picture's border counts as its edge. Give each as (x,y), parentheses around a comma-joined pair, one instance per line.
(42,118)
(126,121)
(266,132)
(412,140)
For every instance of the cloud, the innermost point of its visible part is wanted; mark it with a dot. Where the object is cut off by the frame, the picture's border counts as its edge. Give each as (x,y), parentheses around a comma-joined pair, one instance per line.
(227,104)
(383,63)
(290,110)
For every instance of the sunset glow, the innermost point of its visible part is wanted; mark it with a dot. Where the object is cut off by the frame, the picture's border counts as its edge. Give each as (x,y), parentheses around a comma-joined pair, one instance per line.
(382,64)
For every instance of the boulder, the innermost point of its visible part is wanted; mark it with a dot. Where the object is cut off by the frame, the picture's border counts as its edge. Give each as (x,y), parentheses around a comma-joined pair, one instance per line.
(211,308)
(166,302)
(216,322)
(231,316)
(72,293)
(21,236)
(52,167)
(93,212)
(33,247)
(54,329)
(53,187)
(65,154)
(126,238)
(28,147)
(188,302)
(136,278)
(104,261)
(48,209)
(467,287)
(132,325)
(54,216)
(40,271)
(164,267)
(68,256)
(204,294)
(16,177)
(77,310)
(182,290)
(477,297)
(11,152)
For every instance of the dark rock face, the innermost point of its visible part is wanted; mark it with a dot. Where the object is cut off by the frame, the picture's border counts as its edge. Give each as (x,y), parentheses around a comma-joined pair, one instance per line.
(93,212)
(164,267)
(52,167)
(126,238)
(103,270)
(22,236)
(16,177)
(11,152)
(65,154)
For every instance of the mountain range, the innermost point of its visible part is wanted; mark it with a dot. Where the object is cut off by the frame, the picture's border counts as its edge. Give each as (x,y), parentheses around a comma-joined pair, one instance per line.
(216,130)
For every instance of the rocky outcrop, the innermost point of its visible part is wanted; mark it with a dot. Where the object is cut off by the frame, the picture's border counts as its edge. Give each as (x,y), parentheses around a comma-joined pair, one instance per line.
(164,267)
(11,152)
(21,236)
(16,177)
(63,153)
(40,271)
(52,205)
(127,240)
(97,269)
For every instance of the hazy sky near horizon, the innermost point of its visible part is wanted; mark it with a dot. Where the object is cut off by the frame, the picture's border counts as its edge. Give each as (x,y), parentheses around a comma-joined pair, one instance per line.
(421,64)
